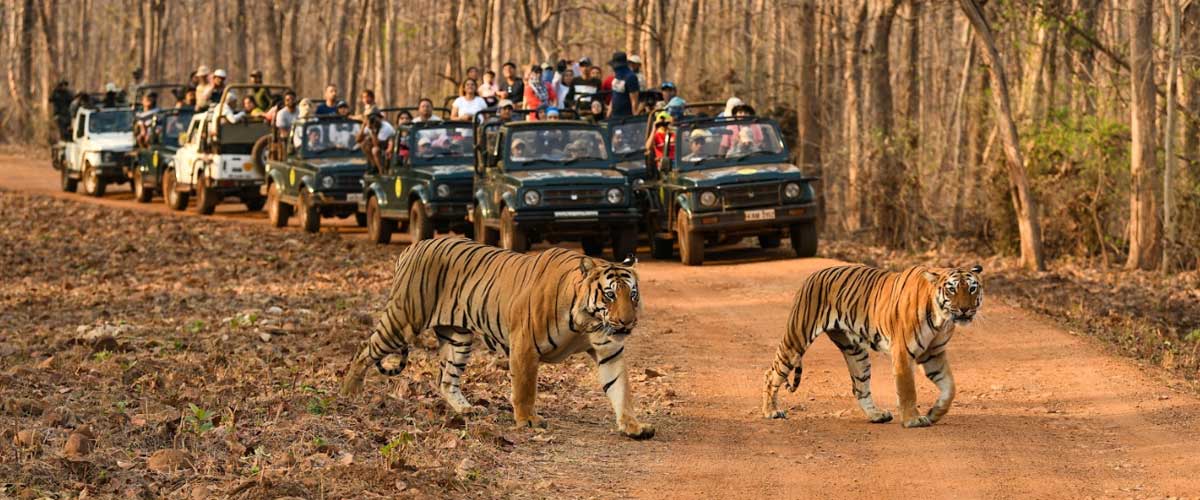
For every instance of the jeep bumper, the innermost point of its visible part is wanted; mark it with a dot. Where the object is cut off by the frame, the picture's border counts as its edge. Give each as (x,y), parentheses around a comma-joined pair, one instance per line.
(576,222)
(754,220)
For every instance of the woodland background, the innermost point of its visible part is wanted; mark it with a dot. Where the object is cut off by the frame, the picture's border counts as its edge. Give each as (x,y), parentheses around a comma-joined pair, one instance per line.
(1064,131)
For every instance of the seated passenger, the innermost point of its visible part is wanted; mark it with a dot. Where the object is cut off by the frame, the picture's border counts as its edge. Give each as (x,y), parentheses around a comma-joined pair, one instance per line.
(329,105)
(506,111)
(424,148)
(487,89)
(662,133)
(343,109)
(404,118)
(425,112)
(286,115)
(552,113)
(468,102)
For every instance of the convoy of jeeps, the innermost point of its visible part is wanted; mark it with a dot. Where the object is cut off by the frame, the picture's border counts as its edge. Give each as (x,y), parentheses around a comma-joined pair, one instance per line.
(511,182)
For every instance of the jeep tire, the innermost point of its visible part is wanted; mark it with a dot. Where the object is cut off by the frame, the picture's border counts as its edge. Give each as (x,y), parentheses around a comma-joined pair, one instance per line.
(253,202)
(206,197)
(592,246)
(691,243)
(360,219)
(419,226)
(482,233)
(92,185)
(309,213)
(68,184)
(624,244)
(278,212)
(768,240)
(804,239)
(140,193)
(175,200)
(379,230)
(662,248)
(511,236)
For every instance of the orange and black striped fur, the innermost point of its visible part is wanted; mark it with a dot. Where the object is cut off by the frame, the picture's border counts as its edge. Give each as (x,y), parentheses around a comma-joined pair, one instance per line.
(536,308)
(910,314)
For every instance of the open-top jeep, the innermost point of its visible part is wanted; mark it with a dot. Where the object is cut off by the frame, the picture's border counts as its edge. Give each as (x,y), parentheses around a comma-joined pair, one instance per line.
(426,185)
(214,156)
(156,137)
(730,178)
(551,180)
(320,175)
(97,151)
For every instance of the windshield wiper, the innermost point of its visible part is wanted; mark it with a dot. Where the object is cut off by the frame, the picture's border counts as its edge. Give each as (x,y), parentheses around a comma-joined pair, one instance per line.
(760,152)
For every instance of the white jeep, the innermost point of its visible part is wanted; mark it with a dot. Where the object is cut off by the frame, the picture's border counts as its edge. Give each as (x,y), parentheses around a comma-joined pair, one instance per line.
(214,161)
(97,151)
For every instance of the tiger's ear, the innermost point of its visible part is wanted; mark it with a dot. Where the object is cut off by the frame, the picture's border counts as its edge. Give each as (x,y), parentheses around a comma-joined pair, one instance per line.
(586,265)
(977,269)
(930,277)
(630,260)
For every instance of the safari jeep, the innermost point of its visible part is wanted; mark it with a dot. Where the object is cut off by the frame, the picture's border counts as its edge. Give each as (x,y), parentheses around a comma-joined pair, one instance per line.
(553,181)
(730,178)
(214,158)
(153,154)
(97,151)
(321,174)
(427,185)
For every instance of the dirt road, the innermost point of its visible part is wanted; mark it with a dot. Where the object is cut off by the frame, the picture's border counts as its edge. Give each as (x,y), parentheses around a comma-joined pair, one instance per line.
(1040,412)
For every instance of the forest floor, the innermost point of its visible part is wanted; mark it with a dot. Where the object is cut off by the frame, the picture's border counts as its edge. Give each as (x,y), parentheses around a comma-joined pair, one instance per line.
(126,331)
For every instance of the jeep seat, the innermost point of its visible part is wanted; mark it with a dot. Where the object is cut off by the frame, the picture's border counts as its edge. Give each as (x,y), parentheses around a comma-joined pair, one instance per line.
(239,138)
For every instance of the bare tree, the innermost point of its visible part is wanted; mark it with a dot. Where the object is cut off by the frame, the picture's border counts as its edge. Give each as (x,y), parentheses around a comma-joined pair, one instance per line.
(1144,221)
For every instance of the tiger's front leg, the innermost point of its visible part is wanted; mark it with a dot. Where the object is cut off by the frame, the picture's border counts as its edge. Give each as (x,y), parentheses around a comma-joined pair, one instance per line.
(523,363)
(937,370)
(614,379)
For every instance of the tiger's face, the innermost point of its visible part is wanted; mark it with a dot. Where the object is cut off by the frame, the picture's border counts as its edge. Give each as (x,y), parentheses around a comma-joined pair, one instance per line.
(958,293)
(613,299)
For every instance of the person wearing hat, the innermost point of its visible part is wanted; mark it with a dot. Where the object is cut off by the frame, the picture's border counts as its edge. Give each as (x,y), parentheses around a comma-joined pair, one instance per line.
(661,136)
(552,113)
(697,140)
(635,64)
(262,96)
(504,113)
(583,66)
(625,87)
(342,109)
(519,150)
(213,91)
(668,90)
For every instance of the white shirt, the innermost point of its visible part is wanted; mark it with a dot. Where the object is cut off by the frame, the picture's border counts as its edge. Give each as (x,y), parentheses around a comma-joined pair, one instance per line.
(469,108)
(284,118)
(432,118)
(386,131)
(560,95)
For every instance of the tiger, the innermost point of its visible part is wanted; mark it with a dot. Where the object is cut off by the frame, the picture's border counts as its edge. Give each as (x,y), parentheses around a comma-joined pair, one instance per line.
(911,314)
(536,308)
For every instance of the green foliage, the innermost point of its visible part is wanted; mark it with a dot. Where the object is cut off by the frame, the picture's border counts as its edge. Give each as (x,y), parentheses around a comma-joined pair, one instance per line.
(243,320)
(200,419)
(393,450)
(1193,336)
(318,403)
(195,327)
(102,356)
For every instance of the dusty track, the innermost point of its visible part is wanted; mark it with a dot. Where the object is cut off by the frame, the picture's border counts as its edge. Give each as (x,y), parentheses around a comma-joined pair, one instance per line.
(1040,412)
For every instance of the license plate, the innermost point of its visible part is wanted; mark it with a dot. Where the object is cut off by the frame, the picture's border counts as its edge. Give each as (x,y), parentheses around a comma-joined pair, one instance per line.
(577,213)
(768,214)
(354,197)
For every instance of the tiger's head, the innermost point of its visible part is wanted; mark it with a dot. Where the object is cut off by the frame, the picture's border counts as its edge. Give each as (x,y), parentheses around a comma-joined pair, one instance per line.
(957,293)
(611,299)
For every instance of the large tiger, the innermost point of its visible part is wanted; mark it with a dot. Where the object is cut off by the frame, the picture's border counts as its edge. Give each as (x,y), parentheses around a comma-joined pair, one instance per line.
(536,308)
(911,313)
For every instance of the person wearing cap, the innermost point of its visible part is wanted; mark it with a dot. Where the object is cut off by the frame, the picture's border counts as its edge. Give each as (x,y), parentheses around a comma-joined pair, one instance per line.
(635,64)
(675,107)
(200,77)
(329,105)
(424,147)
(583,66)
(262,96)
(468,101)
(214,90)
(661,136)
(625,87)
(342,109)
(697,140)
(668,90)
(511,87)
(519,150)
(505,114)
(425,112)
(203,84)
(552,113)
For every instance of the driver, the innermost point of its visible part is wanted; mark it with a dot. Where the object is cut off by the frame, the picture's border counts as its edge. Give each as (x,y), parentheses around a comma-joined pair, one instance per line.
(315,144)
(520,150)
(697,140)
(424,148)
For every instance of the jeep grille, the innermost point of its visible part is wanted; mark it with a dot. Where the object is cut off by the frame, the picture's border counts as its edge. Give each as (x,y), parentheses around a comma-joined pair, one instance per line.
(572,197)
(752,195)
(347,183)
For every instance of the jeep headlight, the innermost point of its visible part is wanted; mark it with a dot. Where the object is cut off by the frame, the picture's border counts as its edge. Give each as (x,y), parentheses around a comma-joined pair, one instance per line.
(327,181)
(708,199)
(791,190)
(615,196)
(532,198)
(443,191)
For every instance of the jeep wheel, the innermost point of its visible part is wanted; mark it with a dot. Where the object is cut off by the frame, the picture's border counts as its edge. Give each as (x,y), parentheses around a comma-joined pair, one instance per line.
(92,185)
(254,202)
(360,219)
(511,236)
(207,197)
(379,229)
(419,227)
(592,246)
(804,239)
(175,200)
(309,214)
(691,244)
(258,154)
(140,193)
(278,212)
(482,233)
(68,184)
(625,241)
(768,240)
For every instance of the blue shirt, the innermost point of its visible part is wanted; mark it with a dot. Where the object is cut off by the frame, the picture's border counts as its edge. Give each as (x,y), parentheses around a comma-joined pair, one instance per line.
(625,83)
(325,109)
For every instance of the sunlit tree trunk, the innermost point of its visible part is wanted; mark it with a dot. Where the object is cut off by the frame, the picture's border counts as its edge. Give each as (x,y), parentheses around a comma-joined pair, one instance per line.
(1144,222)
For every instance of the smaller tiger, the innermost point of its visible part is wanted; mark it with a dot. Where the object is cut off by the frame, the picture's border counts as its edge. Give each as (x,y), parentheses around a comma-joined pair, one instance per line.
(911,314)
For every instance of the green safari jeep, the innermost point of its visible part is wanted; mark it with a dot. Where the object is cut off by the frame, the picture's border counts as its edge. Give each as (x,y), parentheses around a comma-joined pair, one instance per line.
(320,175)
(729,179)
(551,180)
(151,157)
(427,184)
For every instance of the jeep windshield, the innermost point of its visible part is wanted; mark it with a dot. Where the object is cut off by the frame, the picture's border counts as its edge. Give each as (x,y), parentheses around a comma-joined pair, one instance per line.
(444,144)
(707,144)
(171,124)
(629,138)
(553,147)
(326,139)
(107,122)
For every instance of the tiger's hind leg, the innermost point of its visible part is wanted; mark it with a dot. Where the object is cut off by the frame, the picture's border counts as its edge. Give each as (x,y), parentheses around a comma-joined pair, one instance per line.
(859,364)
(455,346)
(390,336)
(787,362)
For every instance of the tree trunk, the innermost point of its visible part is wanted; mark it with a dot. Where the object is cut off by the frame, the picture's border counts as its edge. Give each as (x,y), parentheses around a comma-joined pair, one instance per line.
(1190,26)
(497,40)
(631,24)
(274,24)
(686,39)
(890,221)
(1169,135)
(1144,229)
(241,56)
(857,175)
(808,106)
(356,64)
(1022,195)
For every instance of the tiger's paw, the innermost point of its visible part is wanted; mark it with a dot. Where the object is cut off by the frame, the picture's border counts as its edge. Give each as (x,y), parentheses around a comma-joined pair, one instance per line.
(533,422)
(880,417)
(920,421)
(775,414)
(638,431)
